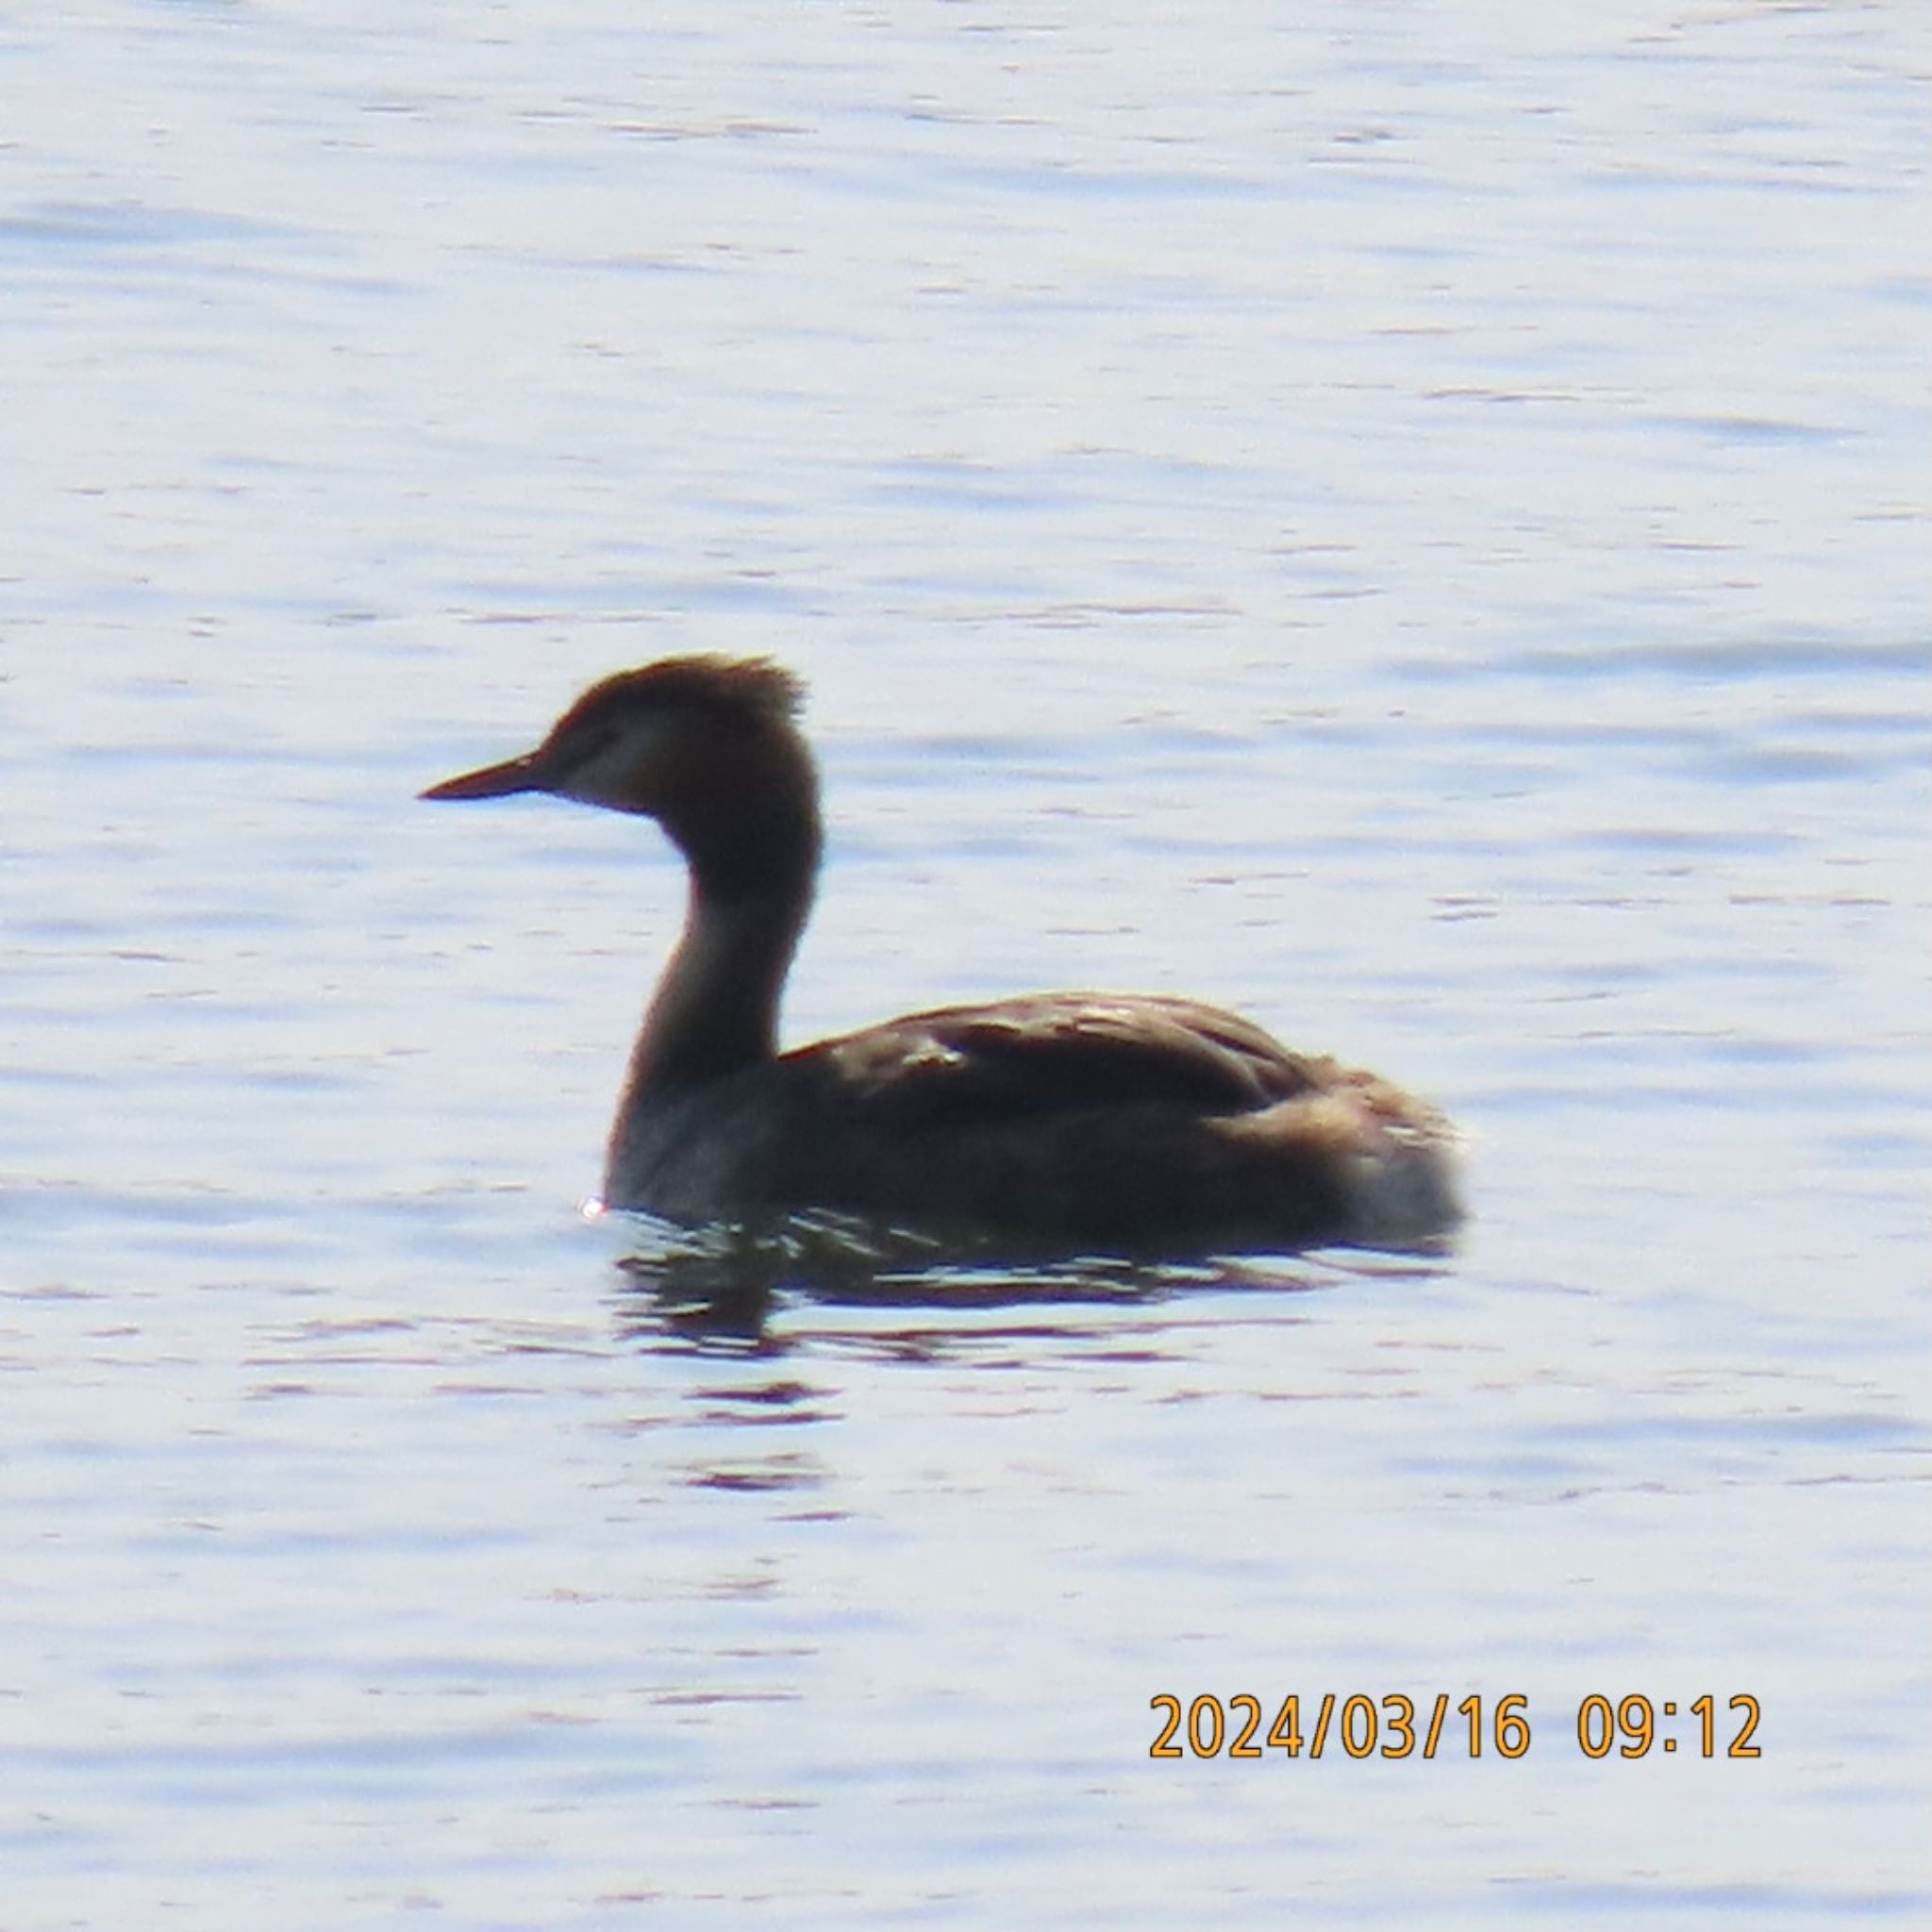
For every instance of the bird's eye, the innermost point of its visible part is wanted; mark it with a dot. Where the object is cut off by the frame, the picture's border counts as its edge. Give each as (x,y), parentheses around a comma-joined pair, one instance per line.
(592,749)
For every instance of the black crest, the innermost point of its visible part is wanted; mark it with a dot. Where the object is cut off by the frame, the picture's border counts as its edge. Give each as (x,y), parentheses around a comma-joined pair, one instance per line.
(753,688)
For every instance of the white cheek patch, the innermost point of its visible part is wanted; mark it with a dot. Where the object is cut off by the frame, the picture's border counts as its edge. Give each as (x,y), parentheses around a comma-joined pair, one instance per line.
(616,771)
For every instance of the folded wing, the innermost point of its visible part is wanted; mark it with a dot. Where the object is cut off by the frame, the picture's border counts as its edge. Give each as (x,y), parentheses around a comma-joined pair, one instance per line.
(1024,1060)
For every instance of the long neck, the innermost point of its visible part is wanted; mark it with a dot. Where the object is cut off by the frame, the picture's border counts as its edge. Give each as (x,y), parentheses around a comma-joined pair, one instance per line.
(751,838)
(748,827)
(716,1008)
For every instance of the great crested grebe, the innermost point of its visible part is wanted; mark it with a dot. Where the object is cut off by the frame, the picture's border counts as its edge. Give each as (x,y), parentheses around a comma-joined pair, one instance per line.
(1121,1123)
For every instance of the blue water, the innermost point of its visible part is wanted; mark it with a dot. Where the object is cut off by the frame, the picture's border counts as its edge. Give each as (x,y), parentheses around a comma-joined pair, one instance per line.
(1410,523)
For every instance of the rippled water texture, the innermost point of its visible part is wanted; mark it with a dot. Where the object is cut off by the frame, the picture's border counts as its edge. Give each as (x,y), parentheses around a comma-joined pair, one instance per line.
(1407,522)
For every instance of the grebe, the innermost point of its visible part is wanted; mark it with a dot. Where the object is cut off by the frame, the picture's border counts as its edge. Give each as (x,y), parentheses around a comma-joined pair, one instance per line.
(1076,1121)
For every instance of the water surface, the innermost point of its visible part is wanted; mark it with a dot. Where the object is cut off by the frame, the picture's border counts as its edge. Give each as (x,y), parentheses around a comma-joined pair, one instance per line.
(1412,526)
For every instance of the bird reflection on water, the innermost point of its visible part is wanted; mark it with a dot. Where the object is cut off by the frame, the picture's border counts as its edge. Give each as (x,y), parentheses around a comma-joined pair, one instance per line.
(717,1288)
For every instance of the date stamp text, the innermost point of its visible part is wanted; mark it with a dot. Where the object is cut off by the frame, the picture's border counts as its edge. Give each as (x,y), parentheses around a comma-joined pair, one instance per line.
(1359,1725)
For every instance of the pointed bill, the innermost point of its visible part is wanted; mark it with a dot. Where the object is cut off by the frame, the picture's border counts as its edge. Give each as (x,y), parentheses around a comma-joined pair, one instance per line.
(491,781)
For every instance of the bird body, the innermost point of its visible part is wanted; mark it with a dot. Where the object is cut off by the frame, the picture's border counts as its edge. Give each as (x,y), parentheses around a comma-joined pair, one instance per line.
(1096,1121)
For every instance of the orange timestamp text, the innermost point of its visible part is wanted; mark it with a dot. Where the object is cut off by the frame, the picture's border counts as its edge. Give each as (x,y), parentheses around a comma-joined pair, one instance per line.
(1359,1725)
